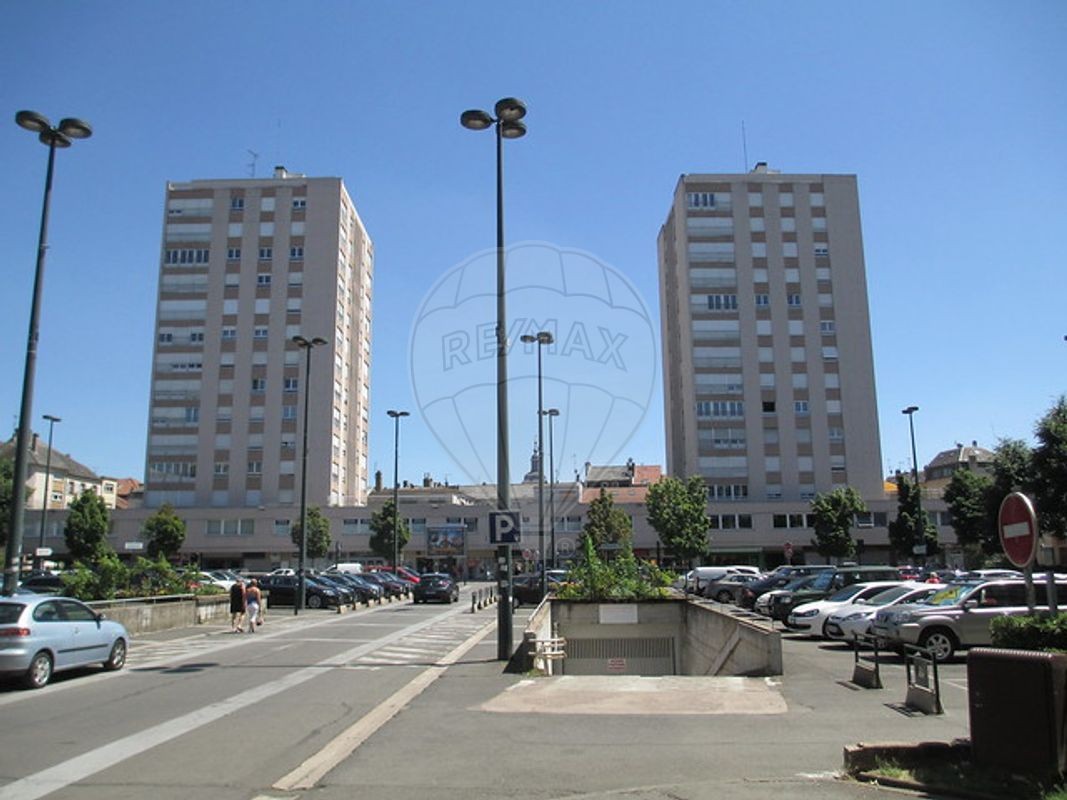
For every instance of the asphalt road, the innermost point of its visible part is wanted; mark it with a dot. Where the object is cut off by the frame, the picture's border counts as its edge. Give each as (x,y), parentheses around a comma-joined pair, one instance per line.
(368,705)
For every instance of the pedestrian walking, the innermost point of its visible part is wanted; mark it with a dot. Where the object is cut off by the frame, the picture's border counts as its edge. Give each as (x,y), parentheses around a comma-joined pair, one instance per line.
(237,605)
(254,605)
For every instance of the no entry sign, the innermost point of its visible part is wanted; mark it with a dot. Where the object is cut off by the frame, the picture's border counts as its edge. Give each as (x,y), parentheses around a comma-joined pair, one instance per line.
(1018,529)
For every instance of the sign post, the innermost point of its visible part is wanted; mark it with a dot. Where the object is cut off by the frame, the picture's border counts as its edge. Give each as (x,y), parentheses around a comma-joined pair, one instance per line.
(1017,524)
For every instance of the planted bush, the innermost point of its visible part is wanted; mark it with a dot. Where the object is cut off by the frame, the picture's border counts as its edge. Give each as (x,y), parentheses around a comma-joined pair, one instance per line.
(624,578)
(1031,633)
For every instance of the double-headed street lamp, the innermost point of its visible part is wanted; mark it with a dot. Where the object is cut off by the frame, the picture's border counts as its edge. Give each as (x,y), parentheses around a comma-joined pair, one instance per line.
(920,523)
(507,122)
(396,415)
(47,476)
(551,413)
(307,345)
(59,136)
(541,338)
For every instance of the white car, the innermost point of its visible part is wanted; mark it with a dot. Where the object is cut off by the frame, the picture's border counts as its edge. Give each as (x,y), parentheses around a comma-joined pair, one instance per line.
(854,619)
(207,579)
(811,618)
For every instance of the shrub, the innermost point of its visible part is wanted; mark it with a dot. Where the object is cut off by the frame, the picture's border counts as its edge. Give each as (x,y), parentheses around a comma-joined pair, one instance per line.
(625,578)
(1031,633)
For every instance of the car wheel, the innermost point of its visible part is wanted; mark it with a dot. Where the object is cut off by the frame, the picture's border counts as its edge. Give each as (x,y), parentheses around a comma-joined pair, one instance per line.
(314,601)
(723,596)
(825,635)
(40,671)
(117,659)
(940,642)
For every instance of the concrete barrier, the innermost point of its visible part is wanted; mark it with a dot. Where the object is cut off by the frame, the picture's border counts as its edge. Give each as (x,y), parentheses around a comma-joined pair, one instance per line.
(150,614)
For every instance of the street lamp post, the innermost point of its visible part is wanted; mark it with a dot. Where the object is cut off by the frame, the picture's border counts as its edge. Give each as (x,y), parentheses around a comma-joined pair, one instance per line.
(298,602)
(551,413)
(55,137)
(47,476)
(396,415)
(920,525)
(541,338)
(508,124)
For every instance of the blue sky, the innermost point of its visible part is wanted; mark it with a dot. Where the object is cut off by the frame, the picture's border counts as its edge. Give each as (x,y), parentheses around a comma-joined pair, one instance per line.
(952,114)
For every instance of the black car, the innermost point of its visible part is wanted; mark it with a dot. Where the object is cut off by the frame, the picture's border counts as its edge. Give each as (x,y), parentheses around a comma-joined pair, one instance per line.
(366,591)
(392,588)
(776,580)
(346,594)
(43,583)
(435,586)
(282,589)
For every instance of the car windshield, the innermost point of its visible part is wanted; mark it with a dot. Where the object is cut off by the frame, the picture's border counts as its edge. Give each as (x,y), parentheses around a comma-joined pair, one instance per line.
(10,612)
(800,583)
(890,595)
(841,595)
(950,595)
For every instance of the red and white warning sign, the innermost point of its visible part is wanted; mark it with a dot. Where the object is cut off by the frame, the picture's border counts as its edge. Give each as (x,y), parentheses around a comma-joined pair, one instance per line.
(1017,522)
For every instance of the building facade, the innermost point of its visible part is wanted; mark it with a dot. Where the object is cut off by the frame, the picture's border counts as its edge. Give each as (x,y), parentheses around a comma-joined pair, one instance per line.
(767,362)
(246,265)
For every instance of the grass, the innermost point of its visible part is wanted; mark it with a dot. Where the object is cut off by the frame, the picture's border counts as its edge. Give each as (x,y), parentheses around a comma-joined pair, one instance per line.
(967,777)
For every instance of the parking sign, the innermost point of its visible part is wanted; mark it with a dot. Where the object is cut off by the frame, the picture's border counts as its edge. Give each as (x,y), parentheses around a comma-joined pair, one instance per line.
(505,527)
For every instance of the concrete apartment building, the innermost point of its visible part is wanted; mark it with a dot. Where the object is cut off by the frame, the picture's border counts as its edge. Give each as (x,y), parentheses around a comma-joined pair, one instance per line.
(246,265)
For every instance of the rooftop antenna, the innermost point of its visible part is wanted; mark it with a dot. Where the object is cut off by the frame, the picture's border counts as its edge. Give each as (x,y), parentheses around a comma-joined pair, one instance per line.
(744,147)
(252,163)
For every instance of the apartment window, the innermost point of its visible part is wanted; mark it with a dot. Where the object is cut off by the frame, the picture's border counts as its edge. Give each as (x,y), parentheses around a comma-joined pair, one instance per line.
(818,199)
(727,408)
(259,333)
(196,337)
(263,279)
(768,407)
(789,224)
(233,254)
(774,492)
(759,249)
(763,301)
(832,380)
(192,414)
(229,332)
(728,491)
(793,300)
(266,253)
(237,203)
(728,438)
(291,384)
(222,468)
(755,199)
(300,203)
(827,327)
(818,224)
(785,199)
(701,199)
(288,412)
(836,434)
(757,225)
(166,338)
(296,253)
(800,408)
(255,467)
(837,463)
(722,302)
(829,353)
(822,251)
(704,408)
(789,249)
(259,385)
(282,527)
(186,256)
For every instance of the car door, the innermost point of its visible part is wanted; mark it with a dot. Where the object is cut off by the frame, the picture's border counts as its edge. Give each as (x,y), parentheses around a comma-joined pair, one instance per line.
(88,640)
(52,632)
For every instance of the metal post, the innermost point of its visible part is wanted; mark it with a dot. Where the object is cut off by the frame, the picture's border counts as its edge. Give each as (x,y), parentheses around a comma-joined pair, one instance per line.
(552,414)
(920,523)
(396,415)
(52,420)
(301,581)
(541,472)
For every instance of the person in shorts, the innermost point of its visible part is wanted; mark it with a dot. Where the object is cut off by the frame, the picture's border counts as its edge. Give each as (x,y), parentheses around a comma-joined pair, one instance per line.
(254,605)
(237,606)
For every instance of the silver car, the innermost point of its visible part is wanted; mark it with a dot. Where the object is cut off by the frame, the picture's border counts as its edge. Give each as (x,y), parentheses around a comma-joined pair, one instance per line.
(43,634)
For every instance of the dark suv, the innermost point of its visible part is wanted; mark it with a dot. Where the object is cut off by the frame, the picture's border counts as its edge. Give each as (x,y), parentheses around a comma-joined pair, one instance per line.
(822,585)
(776,580)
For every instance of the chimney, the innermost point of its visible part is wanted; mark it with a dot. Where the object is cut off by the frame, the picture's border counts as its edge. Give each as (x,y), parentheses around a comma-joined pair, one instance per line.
(378,480)
(281,172)
(427,480)
(33,444)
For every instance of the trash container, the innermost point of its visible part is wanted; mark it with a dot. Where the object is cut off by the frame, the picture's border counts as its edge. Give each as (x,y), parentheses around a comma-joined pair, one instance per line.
(1016,700)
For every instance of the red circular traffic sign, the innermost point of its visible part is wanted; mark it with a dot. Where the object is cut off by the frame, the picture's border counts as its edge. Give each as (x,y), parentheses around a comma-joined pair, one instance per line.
(1017,523)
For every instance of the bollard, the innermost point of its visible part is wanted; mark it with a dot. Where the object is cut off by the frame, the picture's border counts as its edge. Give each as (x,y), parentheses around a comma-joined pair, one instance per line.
(473,604)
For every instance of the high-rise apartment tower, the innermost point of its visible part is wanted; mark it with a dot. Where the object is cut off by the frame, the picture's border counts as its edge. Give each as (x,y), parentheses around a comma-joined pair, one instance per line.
(767,362)
(245,266)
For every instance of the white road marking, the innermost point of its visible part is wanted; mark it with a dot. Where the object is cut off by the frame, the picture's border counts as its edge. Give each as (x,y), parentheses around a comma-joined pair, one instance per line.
(80,767)
(312,771)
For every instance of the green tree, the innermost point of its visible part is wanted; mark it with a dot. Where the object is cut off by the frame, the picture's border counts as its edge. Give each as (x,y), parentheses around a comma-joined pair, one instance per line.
(381,526)
(678,511)
(318,541)
(903,536)
(86,529)
(834,513)
(1049,476)
(7,481)
(967,498)
(606,524)
(164,532)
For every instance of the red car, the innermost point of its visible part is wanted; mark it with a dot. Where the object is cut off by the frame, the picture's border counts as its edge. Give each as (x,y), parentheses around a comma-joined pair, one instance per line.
(400,572)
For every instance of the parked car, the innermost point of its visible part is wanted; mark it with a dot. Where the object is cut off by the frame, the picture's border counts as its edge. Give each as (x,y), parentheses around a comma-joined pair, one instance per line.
(728,588)
(44,634)
(366,591)
(398,572)
(849,621)
(44,583)
(210,579)
(958,616)
(346,595)
(526,589)
(282,589)
(782,576)
(392,587)
(811,618)
(781,601)
(436,586)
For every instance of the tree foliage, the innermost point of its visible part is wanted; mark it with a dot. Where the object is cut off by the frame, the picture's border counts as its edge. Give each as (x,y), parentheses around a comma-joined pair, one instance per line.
(834,513)
(967,498)
(165,532)
(606,524)
(86,528)
(906,531)
(381,526)
(1049,462)
(7,482)
(318,540)
(678,511)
